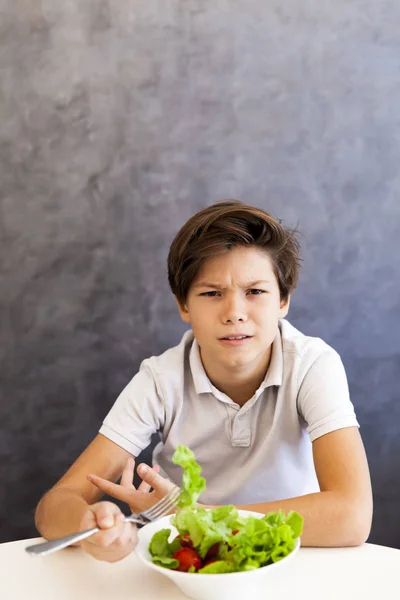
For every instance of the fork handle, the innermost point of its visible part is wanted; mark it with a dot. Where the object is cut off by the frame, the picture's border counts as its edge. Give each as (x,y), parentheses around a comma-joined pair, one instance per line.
(43,548)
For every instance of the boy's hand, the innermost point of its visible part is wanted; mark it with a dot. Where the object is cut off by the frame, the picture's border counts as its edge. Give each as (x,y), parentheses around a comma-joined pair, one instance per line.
(116,538)
(141,498)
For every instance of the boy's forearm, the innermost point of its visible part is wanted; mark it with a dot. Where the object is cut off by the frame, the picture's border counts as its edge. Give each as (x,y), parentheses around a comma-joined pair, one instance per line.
(330,519)
(59,513)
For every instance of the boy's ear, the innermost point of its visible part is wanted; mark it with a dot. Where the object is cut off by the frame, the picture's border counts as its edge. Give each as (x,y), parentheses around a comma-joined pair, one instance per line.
(183,311)
(284,308)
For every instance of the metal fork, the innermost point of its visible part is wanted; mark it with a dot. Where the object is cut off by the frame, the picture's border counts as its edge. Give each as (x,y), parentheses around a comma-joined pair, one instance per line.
(161,509)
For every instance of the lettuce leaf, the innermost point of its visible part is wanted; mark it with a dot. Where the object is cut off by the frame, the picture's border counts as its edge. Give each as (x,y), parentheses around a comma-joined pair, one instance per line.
(159,545)
(166,562)
(295,522)
(162,550)
(219,566)
(206,527)
(192,482)
(262,541)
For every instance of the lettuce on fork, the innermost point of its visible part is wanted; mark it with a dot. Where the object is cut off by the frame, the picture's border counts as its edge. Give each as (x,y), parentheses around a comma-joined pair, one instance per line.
(219,540)
(192,482)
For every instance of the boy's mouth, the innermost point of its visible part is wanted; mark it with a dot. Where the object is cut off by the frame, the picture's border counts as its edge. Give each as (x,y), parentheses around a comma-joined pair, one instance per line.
(235,337)
(235,340)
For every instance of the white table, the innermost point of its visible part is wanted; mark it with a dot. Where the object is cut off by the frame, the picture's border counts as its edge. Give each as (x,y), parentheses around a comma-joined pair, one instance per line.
(366,573)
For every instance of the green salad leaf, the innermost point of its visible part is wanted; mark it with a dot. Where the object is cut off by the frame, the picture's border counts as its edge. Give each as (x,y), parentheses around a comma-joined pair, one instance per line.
(192,482)
(219,566)
(162,550)
(295,522)
(261,541)
(206,527)
(165,561)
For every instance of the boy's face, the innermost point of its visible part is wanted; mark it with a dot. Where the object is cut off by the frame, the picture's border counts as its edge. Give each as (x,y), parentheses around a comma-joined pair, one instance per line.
(235,294)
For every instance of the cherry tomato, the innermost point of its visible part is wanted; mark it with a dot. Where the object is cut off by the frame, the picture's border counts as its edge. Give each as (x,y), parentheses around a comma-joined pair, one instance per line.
(187,558)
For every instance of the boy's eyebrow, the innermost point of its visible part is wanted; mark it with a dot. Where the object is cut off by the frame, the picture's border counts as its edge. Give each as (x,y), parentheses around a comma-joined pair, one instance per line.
(219,287)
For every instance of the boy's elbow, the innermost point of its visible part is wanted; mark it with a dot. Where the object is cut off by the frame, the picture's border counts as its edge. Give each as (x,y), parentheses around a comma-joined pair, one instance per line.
(358,536)
(38,516)
(357,523)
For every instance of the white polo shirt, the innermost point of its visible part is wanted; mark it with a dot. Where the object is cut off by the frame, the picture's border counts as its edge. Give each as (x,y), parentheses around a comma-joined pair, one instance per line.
(259,452)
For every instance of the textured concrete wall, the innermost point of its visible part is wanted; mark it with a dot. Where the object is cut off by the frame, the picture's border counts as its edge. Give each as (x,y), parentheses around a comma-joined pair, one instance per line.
(121,119)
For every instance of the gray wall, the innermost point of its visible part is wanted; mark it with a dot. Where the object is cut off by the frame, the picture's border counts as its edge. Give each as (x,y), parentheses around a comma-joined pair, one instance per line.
(121,119)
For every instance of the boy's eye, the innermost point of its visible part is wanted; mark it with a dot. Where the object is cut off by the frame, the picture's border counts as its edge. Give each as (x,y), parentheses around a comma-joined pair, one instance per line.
(256,292)
(210,294)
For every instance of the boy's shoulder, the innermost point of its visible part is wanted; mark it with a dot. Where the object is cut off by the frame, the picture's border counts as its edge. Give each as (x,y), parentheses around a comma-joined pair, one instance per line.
(302,346)
(173,359)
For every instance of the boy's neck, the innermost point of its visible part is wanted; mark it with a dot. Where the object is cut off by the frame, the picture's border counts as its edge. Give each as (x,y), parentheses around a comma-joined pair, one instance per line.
(238,384)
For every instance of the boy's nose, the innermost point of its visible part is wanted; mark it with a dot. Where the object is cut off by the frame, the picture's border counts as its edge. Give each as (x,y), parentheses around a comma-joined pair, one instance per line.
(235,319)
(234,312)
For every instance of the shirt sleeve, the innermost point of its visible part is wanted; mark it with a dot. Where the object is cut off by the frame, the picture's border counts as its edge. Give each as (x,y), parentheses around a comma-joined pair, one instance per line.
(137,413)
(323,399)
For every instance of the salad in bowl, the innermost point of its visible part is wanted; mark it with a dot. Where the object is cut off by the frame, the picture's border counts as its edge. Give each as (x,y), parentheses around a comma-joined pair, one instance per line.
(220,552)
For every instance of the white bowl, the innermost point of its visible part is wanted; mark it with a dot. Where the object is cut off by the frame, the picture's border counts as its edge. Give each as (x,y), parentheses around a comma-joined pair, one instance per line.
(217,586)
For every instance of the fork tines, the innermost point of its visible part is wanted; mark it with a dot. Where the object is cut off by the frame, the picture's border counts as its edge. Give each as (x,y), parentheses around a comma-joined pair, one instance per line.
(163,506)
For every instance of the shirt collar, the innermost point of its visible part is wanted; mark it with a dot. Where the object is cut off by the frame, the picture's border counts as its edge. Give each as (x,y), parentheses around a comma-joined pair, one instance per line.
(202,384)
(274,375)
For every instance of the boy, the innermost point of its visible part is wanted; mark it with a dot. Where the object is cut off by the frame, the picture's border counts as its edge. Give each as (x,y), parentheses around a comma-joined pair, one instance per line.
(265,409)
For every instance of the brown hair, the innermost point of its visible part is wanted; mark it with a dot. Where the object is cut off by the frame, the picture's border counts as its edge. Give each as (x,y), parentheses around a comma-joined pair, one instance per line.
(221,227)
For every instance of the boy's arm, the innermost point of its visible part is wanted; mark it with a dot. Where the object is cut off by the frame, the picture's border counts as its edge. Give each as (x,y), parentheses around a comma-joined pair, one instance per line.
(341,513)
(61,509)
(138,409)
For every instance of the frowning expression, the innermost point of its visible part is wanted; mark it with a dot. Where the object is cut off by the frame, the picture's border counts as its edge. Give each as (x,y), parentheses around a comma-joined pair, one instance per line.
(234,306)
